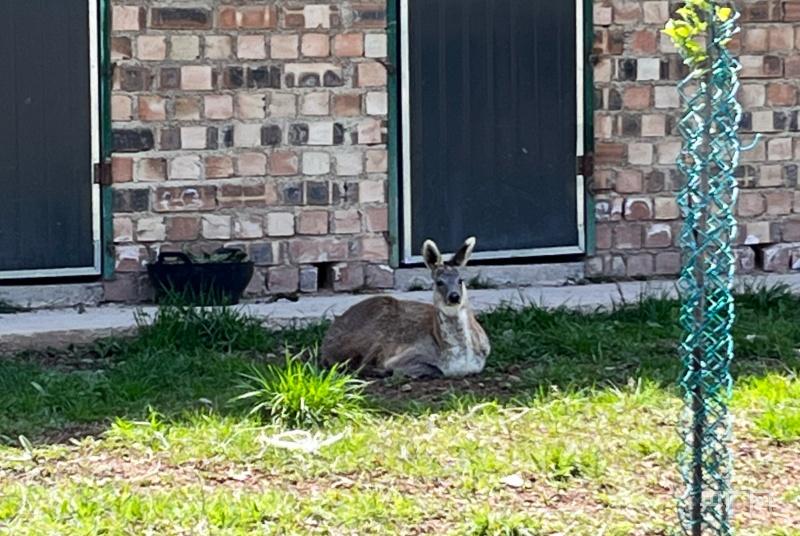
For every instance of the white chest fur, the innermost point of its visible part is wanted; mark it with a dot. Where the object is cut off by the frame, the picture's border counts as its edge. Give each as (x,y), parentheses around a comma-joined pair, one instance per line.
(461,357)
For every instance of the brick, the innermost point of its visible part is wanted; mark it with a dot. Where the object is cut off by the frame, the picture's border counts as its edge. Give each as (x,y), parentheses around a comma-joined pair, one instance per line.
(752,95)
(760,232)
(654,125)
(123,288)
(132,140)
(779,149)
(196,77)
(193,137)
(637,97)
(130,200)
(628,236)
(644,42)
(316,103)
(312,222)
(184,198)
(271,135)
(349,163)
(185,167)
(123,230)
(745,260)
(638,208)
(180,19)
(129,258)
(218,47)
(251,17)
(668,263)
(316,163)
(283,279)
(371,192)
(640,153)
(756,40)
(348,45)
(751,204)
(250,106)
(133,78)
(247,135)
(656,12)
(668,151)
(370,132)
(216,227)
(648,69)
(218,167)
(264,253)
(284,46)
(280,224)
(377,161)
(610,153)
(127,18)
(251,47)
(640,265)
(378,276)
(781,38)
(248,226)
(121,108)
(628,182)
(282,105)
(183,228)
(603,15)
(218,107)
(347,276)
(121,48)
(315,45)
(317,16)
(251,164)
(376,219)
(377,103)
(151,169)
(790,231)
(371,74)
(346,222)
(314,250)
(373,248)
(375,46)
(658,235)
(151,47)
(777,258)
(185,48)
(779,203)
(666,208)
(309,278)
(369,15)
(187,108)
(346,105)
(152,108)
(604,236)
(283,163)
(121,169)
(151,229)
(781,94)
(666,97)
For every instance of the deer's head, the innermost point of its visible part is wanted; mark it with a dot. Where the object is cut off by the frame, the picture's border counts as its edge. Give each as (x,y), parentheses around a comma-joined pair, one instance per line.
(449,291)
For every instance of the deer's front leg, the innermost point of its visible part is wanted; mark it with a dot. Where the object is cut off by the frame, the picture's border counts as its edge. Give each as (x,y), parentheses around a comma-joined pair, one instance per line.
(414,364)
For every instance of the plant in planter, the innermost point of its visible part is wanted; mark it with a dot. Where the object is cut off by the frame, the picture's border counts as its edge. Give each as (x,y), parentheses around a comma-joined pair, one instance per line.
(217,278)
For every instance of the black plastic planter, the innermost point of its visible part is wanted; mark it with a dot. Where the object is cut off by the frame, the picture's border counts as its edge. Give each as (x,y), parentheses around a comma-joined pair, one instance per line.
(176,277)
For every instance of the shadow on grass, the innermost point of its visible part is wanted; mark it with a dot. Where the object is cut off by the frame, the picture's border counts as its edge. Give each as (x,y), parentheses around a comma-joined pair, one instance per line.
(190,359)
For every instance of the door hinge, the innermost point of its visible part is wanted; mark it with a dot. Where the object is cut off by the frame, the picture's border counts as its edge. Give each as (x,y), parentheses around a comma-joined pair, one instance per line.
(585,165)
(102,172)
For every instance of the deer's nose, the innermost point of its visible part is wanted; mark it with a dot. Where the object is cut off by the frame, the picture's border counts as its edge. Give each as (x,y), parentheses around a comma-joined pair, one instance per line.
(453,298)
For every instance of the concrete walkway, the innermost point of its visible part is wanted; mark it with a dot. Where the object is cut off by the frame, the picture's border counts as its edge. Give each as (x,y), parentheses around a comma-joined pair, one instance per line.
(60,327)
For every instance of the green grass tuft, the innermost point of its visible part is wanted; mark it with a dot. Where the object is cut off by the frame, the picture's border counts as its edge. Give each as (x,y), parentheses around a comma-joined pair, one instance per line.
(299,394)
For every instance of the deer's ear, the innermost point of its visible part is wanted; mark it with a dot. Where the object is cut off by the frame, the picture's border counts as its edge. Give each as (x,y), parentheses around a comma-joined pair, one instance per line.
(431,255)
(461,257)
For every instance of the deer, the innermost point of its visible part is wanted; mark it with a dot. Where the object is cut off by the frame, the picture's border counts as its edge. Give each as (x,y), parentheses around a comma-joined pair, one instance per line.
(383,336)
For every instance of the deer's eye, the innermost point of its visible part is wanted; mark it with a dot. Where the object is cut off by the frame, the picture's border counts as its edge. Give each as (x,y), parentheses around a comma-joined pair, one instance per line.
(460,281)
(440,283)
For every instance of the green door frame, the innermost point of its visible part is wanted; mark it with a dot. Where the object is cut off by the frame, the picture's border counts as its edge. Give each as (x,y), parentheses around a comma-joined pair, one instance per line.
(106,140)
(392,30)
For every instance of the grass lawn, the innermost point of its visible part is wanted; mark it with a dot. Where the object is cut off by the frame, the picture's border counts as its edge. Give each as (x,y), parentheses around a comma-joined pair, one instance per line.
(571,431)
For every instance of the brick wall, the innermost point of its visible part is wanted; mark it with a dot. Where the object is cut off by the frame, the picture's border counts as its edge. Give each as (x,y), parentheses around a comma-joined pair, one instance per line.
(263,124)
(636,111)
(256,124)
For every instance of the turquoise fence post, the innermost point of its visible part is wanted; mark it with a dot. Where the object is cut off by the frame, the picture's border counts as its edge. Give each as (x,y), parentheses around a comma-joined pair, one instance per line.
(708,159)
